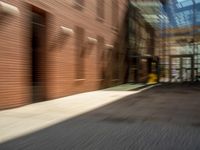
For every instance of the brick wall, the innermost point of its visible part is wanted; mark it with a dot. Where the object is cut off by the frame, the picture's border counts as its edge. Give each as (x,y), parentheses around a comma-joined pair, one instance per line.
(59,63)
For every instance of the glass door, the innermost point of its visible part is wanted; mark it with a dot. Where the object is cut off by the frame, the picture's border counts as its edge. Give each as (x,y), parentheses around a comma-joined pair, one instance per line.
(186,69)
(181,68)
(176,69)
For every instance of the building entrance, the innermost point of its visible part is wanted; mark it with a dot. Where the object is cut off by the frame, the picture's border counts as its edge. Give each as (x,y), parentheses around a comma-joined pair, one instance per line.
(38,41)
(181,68)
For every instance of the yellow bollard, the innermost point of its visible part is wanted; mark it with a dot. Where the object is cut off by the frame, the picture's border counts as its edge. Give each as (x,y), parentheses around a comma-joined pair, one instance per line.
(152,78)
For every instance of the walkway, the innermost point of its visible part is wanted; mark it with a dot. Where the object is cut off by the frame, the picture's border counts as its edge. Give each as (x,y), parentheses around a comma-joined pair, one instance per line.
(30,118)
(165,117)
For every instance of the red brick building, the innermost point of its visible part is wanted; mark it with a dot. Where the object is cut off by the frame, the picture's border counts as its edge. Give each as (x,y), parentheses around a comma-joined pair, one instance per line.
(53,48)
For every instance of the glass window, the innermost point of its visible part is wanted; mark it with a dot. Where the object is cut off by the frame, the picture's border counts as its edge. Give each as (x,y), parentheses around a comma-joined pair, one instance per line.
(100,9)
(101,57)
(79,4)
(115,13)
(80,35)
(197,1)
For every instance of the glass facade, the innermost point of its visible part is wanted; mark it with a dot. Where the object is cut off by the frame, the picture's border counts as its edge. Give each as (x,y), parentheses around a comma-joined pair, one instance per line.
(176,40)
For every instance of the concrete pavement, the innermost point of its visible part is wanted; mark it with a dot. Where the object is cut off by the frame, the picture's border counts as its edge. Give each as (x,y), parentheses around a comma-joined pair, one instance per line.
(165,117)
(25,120)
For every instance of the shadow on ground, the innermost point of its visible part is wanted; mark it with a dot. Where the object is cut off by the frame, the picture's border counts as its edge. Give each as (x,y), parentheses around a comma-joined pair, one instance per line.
(166,117)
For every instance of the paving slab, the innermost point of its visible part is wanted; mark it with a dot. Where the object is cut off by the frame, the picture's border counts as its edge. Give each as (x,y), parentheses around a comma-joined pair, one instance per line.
(27,119)
(165,117)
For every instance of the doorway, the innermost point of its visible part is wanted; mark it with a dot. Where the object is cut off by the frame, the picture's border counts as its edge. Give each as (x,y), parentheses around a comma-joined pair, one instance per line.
(38,40)
(181,68)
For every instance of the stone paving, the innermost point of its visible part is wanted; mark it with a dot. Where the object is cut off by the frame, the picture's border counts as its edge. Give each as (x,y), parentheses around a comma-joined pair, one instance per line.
(24,120)
(166,117)
(127,87)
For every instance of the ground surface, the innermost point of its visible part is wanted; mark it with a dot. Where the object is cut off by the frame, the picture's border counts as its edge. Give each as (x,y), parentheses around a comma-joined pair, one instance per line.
(166,117)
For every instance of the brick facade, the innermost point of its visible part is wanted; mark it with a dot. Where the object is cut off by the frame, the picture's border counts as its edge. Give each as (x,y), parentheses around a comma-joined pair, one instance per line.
(60,55)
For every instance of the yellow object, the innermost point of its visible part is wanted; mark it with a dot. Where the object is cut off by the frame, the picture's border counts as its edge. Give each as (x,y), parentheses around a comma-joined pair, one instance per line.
(152,78)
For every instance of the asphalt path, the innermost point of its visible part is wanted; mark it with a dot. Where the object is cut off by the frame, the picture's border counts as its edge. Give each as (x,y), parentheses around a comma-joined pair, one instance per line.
(166,117)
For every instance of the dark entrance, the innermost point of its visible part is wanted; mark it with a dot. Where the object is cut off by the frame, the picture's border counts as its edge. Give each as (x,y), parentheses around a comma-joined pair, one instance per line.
(38,40)
(141,67)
